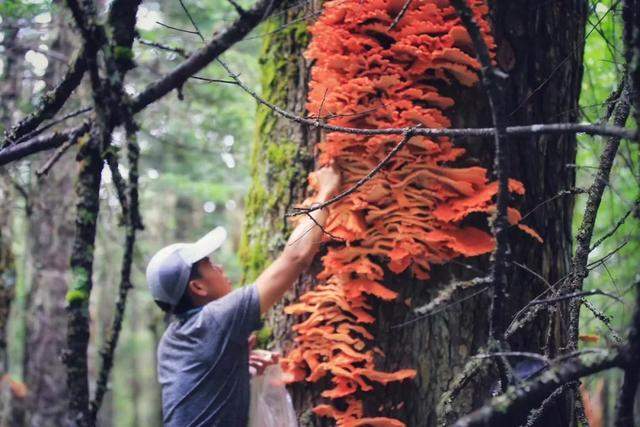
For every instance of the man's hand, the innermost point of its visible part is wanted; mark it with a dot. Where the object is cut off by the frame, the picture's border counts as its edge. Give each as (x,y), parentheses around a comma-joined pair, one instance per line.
(329,180)
(259,360)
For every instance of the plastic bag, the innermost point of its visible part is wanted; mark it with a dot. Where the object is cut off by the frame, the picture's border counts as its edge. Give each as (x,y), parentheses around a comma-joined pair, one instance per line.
(271,404)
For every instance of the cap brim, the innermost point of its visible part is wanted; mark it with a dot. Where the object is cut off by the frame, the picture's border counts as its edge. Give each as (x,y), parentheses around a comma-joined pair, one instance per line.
(206,245)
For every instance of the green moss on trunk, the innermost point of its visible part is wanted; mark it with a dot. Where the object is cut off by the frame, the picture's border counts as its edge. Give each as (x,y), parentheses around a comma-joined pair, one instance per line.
(277,155)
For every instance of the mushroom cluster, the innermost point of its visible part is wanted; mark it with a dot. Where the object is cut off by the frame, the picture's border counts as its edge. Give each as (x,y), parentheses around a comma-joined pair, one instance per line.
(371,74)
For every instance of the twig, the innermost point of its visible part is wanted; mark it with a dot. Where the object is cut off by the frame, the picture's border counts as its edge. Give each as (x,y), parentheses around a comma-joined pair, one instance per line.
(400,14)
(340,239)
(537,414)
(175,50)
(575,295)
(536,129)
(447,294)
(165,85)
(203,56)
(181,30)
(208,80)
(237,7)
(564,61)
(525,354)
(118,182)
(302,210)
(619,223)
(49,125)
(441,304)
(195,26)
(41,143)
(459,382)
(562,193)
(56,156)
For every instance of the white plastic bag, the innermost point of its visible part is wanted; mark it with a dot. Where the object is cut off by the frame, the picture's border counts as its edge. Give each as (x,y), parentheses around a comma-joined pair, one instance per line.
(271,404)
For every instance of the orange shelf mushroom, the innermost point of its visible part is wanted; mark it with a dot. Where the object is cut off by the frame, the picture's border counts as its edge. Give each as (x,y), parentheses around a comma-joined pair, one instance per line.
(410,213)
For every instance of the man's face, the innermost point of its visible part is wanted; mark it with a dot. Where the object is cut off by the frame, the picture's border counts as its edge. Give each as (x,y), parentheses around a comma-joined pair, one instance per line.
(214,279)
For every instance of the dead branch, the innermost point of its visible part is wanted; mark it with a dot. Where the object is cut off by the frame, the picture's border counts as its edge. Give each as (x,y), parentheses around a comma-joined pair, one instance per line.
(579,269)
(517,401)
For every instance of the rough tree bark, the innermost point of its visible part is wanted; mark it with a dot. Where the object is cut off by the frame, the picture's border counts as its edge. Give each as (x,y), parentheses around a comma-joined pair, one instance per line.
(540,46)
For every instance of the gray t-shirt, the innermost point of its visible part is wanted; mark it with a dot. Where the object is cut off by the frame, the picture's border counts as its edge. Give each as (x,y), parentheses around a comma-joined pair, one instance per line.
(203,362)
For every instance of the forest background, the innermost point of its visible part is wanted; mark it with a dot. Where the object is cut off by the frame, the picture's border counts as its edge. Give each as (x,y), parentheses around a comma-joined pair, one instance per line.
(195,171)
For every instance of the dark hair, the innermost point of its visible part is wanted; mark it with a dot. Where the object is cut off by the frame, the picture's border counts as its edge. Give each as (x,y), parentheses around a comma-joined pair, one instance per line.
(185,303)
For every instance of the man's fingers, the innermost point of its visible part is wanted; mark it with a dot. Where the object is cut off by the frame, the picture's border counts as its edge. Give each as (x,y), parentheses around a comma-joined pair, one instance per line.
(259,360)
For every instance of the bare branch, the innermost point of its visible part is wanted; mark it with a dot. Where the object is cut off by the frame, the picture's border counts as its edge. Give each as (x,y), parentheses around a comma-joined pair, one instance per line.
(574,295)
(203,56)
(51,102)
(193,23)
(57,155)
(49,125)
(448,293)
(537,414)
(175,50)
(131,216)
(634,210)
(536,129)
(472,368)
(41,143)
(517,401)
(525,354)
(583,239)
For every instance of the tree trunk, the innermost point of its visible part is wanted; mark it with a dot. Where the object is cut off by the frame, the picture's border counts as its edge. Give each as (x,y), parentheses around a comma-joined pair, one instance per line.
(50,240)
(9,92)
(11,407)
(540,46)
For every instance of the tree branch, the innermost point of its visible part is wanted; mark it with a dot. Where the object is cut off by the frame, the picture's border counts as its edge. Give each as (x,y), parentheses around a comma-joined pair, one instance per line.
(579,269)
(40,143)
(517,401)
(51,102)
(131,216)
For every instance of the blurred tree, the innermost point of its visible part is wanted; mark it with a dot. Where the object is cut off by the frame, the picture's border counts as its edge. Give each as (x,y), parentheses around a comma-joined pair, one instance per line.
(49,242)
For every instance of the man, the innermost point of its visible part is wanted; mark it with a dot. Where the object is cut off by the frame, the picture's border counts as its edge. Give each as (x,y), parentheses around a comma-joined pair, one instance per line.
(203,356)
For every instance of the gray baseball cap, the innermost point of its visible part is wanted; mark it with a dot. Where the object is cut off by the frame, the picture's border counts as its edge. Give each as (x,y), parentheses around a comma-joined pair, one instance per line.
(169,269)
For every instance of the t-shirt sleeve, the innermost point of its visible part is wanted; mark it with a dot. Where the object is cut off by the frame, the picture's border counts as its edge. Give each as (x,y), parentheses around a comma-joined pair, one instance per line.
(238,312)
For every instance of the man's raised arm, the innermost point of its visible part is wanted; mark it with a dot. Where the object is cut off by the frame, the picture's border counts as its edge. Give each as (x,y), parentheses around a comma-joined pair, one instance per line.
(300,248)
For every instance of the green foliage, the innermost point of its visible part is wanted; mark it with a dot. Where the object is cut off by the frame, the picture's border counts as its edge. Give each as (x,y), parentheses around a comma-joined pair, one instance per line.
(23,9)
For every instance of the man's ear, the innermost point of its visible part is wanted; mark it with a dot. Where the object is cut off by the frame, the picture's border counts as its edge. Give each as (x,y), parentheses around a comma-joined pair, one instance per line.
(197,288)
